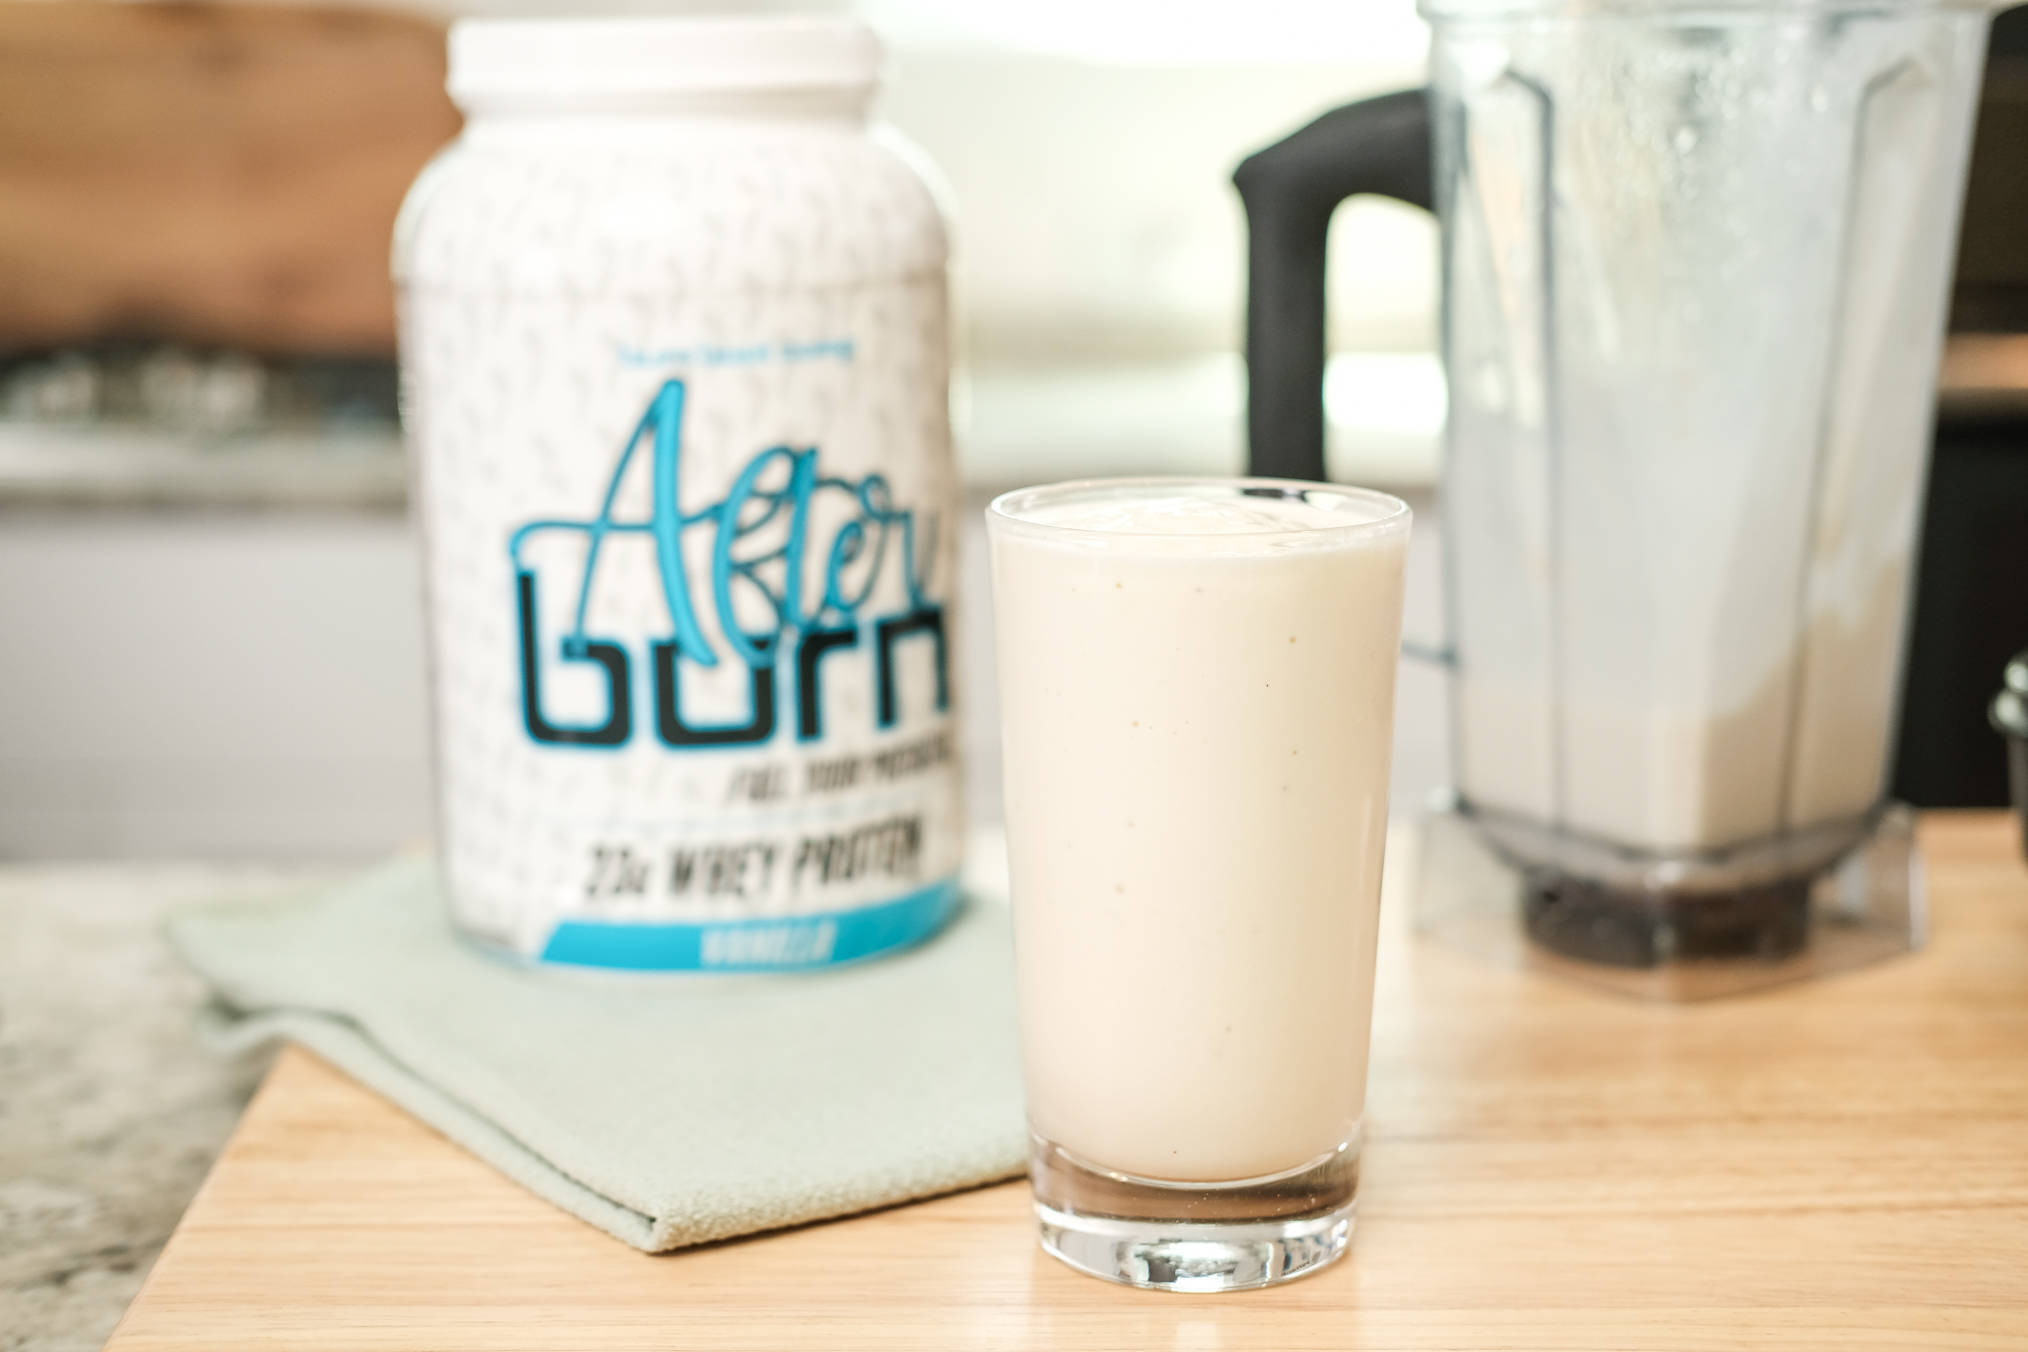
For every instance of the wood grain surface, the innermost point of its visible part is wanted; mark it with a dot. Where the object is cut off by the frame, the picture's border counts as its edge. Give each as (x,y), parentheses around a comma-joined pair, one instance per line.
(1840,1165)
(210,173)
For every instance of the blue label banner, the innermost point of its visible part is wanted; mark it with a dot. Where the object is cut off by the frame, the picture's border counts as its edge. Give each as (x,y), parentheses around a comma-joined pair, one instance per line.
(787,943)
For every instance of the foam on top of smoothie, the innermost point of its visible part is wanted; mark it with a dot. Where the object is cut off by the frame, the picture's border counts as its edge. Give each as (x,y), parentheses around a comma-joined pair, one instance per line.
(1233,521)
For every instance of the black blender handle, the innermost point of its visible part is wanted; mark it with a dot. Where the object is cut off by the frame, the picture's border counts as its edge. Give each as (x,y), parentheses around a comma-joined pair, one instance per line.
(1379,145)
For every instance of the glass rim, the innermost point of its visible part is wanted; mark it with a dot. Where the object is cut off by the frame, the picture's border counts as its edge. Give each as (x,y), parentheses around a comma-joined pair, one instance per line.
(1004,512)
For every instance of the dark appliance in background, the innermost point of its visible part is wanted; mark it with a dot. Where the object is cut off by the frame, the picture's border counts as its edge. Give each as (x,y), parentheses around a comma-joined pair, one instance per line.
(1971,599)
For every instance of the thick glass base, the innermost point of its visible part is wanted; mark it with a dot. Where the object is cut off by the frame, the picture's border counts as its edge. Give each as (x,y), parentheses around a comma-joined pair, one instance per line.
(1195,1236)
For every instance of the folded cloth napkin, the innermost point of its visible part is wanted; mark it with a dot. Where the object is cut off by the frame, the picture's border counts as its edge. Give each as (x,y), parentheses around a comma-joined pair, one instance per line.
(668,1110)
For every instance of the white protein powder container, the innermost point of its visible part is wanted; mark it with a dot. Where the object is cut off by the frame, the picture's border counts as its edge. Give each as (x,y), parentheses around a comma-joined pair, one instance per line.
(674,365)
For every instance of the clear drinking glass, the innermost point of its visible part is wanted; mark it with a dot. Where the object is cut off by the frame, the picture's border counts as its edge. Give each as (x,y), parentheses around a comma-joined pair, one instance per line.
(1197,693)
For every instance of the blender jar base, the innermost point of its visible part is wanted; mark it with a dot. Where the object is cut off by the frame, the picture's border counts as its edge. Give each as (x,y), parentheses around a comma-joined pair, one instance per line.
(1596,922)
(1669,942)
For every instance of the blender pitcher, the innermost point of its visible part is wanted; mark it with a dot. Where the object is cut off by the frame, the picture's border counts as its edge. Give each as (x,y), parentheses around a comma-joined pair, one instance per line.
(1695,265)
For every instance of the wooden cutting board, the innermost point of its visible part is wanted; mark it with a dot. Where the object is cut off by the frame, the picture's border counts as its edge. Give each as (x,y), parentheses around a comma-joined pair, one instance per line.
(1839,1165)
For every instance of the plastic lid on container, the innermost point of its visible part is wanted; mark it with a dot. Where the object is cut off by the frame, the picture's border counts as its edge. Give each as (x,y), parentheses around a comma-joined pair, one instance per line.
(621,62)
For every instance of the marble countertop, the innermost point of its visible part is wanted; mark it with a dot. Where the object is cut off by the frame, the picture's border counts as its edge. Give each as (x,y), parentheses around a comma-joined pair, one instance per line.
(110,1110)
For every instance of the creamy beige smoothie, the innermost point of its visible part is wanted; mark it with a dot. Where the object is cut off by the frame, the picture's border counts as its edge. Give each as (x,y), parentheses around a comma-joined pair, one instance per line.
(1197,693)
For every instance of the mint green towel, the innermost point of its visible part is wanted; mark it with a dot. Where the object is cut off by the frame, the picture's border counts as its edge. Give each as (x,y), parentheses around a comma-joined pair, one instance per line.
(666,1110)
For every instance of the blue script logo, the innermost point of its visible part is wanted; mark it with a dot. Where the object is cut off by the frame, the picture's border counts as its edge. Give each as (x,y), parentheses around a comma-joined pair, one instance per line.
(776,580)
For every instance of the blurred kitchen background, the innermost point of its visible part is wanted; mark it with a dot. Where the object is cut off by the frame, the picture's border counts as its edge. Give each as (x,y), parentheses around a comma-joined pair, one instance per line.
(209,604)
